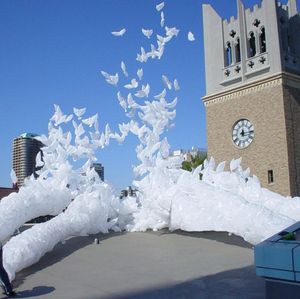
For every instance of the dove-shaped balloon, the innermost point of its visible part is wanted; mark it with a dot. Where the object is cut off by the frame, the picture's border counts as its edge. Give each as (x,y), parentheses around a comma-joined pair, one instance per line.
(144,92)
(119,33)
(79,130)
(123,67)
(79,112)
(122,101)
(160,50)
(59,118)
(143,57)
(140,73)
(147,32)
(153,53)
(176,85)
(124,130)
(164,40)
(91,120)
(167,82)
(160,6)
(111,79)
(131,103)
(164,148)
(107,134)
(133,84)
(191,37)
(162,95)
(102,140)
(172,104)
(13,177)
(162,19)
(171,31)
(38,160)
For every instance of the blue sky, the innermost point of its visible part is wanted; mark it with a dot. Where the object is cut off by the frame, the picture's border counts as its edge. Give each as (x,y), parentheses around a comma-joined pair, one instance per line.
(51,52)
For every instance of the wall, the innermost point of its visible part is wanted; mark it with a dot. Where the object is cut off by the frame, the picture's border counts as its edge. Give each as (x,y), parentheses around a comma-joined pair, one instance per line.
(261,103)
(292,113)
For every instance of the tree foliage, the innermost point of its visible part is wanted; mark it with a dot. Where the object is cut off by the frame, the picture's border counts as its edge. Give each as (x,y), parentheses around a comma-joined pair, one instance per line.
(194,163)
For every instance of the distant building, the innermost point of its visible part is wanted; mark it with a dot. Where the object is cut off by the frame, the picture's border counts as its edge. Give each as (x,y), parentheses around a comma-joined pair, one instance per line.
(25,149)
(99,169)
(6,191)
(188,154)
(128,192)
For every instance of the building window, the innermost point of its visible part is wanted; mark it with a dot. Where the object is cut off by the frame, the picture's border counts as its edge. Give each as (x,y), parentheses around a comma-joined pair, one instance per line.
(289,43)
(228,53)
(238,51)
(262,40)
(270,177)
(252,46)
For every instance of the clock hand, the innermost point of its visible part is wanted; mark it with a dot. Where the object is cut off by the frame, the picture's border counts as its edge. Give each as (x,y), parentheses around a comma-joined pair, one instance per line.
(242,133)
(247,133)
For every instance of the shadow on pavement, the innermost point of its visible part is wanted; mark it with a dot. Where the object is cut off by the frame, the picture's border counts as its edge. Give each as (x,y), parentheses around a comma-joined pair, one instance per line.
(223,237)
(234,284)
(36,291)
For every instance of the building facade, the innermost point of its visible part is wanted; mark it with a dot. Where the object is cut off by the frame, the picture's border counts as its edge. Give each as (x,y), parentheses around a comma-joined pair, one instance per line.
(99,169)
(128,192)
(25,149)
(252,97)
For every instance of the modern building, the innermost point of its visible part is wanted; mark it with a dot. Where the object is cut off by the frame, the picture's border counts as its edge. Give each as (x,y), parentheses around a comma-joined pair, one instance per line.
(252,97)
(99,169)
(128,192)
(25,149)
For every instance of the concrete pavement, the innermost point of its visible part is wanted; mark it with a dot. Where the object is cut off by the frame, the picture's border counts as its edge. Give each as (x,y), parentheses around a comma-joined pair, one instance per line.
(158,265)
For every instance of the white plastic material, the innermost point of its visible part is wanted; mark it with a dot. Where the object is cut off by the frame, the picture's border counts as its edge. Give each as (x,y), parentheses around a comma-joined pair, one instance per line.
(168,197)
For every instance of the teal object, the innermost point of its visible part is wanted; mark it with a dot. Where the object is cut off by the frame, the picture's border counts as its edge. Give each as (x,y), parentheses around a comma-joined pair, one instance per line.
(279,256)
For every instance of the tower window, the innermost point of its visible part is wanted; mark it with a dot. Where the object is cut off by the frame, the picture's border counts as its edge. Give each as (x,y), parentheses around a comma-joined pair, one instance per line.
(252,46)
(228,58)
(238,50)
(289,42)
(262,40)
(270,177)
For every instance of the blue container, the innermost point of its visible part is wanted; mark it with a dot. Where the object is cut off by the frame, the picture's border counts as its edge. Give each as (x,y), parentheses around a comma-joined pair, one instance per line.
(279,256)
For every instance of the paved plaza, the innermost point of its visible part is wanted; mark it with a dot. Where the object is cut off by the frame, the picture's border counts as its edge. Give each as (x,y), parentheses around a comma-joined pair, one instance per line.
(156,265)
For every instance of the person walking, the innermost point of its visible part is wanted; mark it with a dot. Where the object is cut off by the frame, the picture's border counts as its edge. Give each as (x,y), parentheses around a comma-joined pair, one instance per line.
(5,283)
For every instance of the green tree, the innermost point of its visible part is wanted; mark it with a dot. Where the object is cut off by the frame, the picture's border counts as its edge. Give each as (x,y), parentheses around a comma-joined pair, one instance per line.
(194,163)
(186,165)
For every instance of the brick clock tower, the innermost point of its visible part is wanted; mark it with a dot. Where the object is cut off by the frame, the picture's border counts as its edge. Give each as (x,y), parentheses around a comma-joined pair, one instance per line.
(253,91)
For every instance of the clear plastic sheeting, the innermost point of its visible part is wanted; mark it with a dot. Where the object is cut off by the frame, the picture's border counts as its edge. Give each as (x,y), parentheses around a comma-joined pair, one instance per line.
(199,206)
(36,199)
(167,197)
(67,186)
(87,214)
(231,201)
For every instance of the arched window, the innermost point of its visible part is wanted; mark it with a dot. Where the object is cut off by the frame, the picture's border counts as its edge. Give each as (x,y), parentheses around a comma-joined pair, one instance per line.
(238,51)
(262,40)
(228,54)
(252,46)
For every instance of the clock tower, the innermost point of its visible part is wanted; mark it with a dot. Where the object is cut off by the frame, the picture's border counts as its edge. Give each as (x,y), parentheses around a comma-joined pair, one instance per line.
(252,96)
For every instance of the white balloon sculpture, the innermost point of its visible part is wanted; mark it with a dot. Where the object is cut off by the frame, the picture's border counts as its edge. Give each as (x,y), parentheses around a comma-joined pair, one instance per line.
(168,196)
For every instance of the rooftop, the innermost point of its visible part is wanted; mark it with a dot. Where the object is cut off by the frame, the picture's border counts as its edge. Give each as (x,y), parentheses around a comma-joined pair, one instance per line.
(158,265)
(28,135)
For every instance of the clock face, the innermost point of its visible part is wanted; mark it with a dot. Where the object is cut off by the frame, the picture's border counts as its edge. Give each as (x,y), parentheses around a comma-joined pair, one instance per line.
(242,133)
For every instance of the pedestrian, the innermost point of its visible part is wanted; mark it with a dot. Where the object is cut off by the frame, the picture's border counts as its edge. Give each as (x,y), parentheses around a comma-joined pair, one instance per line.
(5,283)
